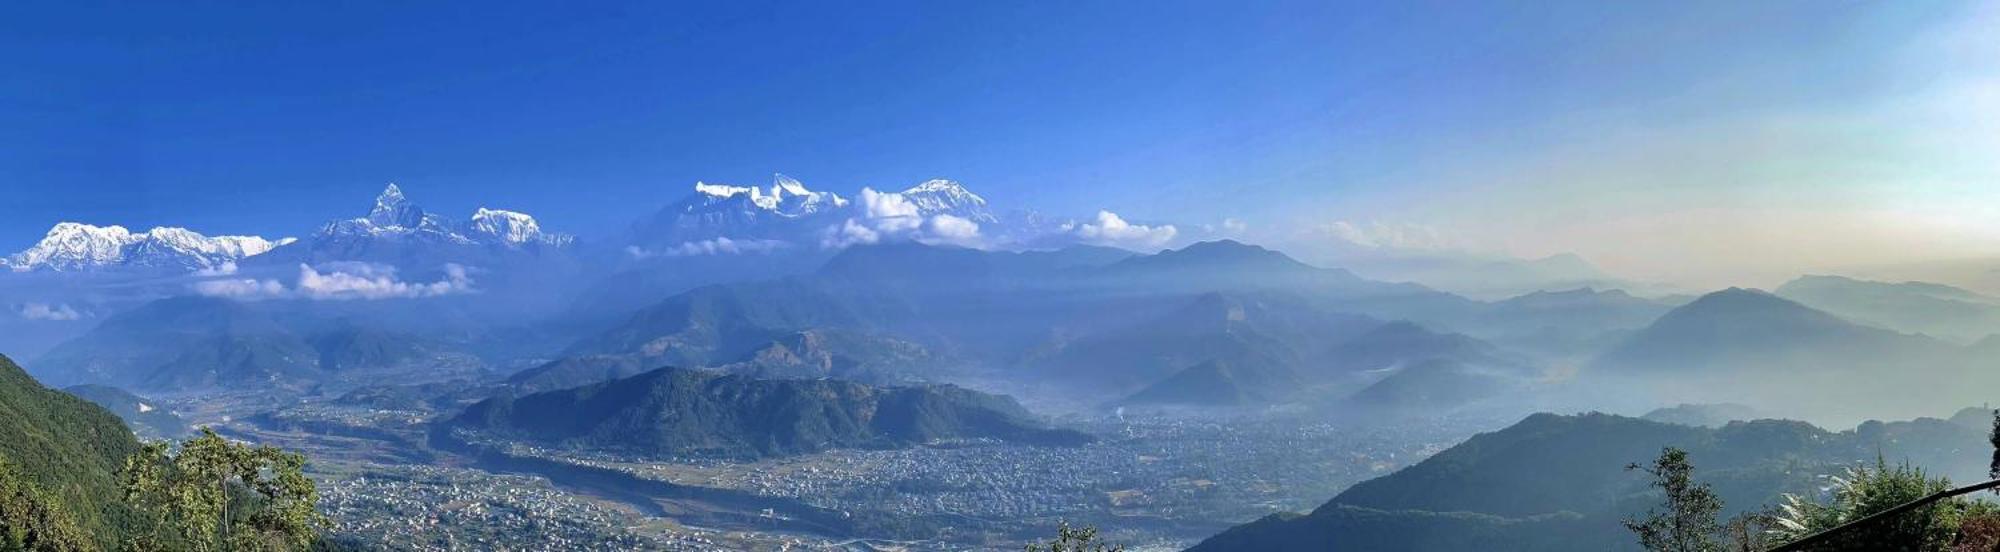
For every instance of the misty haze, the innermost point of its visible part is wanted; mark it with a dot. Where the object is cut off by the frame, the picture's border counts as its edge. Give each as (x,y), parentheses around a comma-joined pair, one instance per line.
(887,276)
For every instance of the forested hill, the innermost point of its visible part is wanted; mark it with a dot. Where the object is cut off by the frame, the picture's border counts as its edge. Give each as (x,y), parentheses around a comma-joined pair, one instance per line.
(678,411)
(62,450)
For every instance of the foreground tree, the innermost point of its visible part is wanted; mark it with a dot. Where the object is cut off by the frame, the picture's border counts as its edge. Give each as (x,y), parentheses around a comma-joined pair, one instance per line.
(1993,466)
(215,495)
(1069,539)
(31,521)
(1750,532)
(1689,522)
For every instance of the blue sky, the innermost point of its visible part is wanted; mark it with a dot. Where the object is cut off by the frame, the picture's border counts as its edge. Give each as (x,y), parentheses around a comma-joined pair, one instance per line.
(1520,128)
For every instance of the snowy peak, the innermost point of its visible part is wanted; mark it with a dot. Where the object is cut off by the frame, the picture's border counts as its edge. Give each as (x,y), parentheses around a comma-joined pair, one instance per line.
(946,188)
(77,246)
(787,212)
(786,196)
(72,244)
(506,226)
(394,217)
(392,209)
(948,197)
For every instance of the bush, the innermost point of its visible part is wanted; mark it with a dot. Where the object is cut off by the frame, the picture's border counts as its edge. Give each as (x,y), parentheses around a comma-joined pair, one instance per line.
(1864,491)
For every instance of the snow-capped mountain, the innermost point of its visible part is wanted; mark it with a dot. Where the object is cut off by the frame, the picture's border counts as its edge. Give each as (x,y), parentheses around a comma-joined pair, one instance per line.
(749,214)
(507,226)
(399,232)
(72,246)
(721,218)
(948,197)
(394,217)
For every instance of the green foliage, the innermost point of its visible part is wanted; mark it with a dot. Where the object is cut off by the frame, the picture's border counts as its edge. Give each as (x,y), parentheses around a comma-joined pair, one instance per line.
(218,495)
(673,411)
(1688,524)
(1750,532)
(30,520)
(1074,539)
(1993,468)
(70,449)
(1866,490)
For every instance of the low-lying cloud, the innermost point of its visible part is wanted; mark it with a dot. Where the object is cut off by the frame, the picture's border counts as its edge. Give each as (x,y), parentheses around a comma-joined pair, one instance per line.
(1110,229)
(717,246)
(341,281)
(45,311)
(224,269)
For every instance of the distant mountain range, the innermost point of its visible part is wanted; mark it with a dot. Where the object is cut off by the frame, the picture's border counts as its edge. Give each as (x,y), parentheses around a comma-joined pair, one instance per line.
(395,230)
(1750,346)
(398,232)
(1257,325)
(1738,330)
(682,412)
(193,343)
(72,246)
(1933,309)
(730,219)
(784,227)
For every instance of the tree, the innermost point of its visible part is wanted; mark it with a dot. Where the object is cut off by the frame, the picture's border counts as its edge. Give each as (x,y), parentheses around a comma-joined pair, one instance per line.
(216,495)
(1993,466)
(1074,540)
(1750,531)
(1689,522)
(32,521)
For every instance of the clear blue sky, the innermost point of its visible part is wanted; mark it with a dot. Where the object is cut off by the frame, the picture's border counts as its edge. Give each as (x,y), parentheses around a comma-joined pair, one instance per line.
(259,118)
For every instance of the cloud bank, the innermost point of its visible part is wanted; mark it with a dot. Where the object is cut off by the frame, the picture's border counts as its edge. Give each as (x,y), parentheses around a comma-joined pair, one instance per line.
(341,281)
(717,246)
(888,216)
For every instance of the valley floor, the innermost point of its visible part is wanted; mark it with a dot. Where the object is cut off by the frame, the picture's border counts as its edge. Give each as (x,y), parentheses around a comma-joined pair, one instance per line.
(1149,483)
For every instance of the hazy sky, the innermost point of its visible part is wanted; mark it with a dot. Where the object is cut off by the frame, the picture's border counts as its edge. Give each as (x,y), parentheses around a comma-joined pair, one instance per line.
(1699,142)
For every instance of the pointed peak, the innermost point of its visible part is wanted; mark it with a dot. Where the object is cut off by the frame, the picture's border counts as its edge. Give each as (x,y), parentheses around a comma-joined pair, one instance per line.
(391,195)
(392,209)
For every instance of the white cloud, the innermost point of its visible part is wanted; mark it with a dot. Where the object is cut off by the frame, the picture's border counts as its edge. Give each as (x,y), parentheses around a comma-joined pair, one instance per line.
(341,281)
(876,205)
(890,216)
(44,311)
(1234,226)
(1110,229)
(240,288)
(952,229)
(849,233)
(376,282)
(717,246)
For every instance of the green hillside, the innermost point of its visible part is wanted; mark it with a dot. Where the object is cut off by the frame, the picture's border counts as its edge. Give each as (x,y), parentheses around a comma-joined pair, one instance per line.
(68,449)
